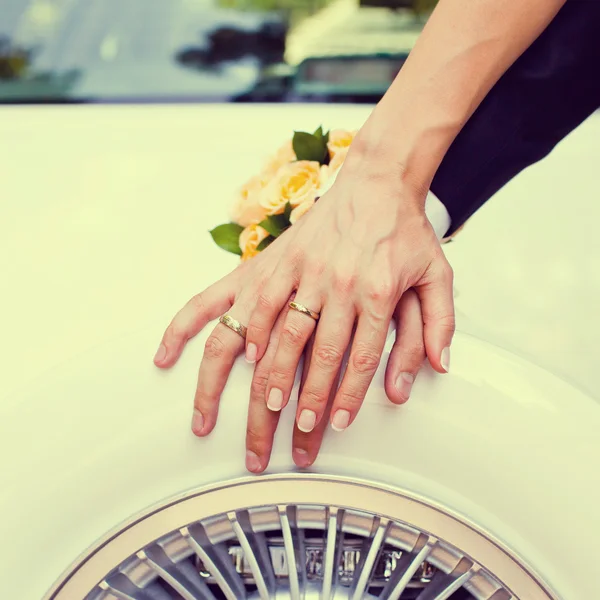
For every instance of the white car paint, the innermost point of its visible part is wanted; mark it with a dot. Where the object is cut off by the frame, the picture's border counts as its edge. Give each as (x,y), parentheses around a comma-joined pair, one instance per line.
(103,230)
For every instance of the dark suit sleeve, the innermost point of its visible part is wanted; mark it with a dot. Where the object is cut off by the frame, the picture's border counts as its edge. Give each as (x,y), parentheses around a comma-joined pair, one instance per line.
(552,88)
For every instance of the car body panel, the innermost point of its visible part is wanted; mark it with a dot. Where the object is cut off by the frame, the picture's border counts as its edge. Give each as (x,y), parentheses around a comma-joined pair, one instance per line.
(104,225)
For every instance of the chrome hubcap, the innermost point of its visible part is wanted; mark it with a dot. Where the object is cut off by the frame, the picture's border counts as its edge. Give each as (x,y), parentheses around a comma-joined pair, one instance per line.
(298,537)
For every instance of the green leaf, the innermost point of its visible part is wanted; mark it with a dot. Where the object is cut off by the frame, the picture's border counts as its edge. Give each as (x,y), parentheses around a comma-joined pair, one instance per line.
(310,147)
(227,236)
(275,224)
(323,136)
(287,212)
(266,242)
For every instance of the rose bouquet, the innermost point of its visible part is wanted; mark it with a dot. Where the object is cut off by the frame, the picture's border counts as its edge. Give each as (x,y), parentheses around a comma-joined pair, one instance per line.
(284,191)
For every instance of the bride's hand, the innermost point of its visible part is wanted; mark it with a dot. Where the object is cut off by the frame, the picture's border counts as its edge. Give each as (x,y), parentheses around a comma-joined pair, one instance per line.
(350,259)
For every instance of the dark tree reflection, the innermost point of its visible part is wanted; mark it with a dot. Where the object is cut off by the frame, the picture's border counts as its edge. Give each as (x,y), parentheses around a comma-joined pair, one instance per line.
(14,61)
(229,44)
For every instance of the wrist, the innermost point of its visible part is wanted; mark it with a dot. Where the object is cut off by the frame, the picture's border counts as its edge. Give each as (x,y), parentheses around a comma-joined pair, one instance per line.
(410,148)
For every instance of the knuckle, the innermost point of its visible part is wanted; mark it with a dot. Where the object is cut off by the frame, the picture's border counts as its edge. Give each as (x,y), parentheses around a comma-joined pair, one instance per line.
(280,375)
(344,283)
(204,403)
(214,348)
(198,303)
(351,400)
(256,440)
(313,398)
(365,361)
(447,322)
(291,335)
(264,302)
(175,333)
(380,291)
(255,331)
(258,387)
(414,353)
(443,321)
(327,356)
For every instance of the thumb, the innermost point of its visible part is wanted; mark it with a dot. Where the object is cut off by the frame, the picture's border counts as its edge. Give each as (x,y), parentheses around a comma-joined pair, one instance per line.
(437,305)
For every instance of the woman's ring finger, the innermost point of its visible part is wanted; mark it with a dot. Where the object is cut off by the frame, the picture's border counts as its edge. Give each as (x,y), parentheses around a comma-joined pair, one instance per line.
(304,310)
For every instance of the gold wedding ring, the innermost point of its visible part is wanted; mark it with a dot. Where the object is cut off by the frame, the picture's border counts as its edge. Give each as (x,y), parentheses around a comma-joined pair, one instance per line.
(234,325)
(304,310)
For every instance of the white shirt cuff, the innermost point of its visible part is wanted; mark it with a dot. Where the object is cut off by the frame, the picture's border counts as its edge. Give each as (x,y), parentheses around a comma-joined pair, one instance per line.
(438,215)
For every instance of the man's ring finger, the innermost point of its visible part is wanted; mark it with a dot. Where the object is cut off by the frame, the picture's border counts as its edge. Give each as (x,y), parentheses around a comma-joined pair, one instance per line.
(304,310)
(234,325)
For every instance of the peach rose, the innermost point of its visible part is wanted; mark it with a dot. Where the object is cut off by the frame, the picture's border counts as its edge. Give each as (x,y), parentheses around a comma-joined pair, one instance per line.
(301,210)
(339,141)
(337,160)
(247,208)
(294,183)
(250,238)
(283,156)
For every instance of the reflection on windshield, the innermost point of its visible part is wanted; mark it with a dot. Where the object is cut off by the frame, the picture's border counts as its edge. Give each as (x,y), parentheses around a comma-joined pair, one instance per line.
(204,50)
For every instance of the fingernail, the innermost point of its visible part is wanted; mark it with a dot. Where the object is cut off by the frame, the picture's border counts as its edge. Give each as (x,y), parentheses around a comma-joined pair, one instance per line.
(300,457)
(275,401)
(404,384)
(161,353)
(341,419)
(197,422)
(251,353)
(445,359)
(307,420)
(252,462)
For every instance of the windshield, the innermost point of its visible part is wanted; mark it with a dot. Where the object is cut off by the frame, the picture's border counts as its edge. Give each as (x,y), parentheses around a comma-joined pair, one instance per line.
(204,50)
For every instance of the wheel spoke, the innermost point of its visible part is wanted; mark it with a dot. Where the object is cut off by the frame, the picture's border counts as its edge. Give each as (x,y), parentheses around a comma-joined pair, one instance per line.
(182,577)
(256,553)
(405,570)
(216,560)
(368,556)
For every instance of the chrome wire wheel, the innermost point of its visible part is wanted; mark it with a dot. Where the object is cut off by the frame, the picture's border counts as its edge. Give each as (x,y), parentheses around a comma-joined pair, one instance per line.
(298,536)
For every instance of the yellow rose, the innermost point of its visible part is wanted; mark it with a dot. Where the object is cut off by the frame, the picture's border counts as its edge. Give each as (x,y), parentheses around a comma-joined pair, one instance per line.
(301,210)
(283,156)
(295,183)
(339,141)
(250,238)
(247,208)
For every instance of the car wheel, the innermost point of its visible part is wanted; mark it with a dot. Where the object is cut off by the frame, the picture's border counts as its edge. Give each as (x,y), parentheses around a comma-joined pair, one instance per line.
(480,487)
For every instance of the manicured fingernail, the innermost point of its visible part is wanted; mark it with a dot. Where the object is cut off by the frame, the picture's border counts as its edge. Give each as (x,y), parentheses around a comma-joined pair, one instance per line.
(252,462)
(161,353)
(197,422)
(445,359)
(251,353)
(404,384)
(275,401)
(307,420)
(340,421)
(300,457)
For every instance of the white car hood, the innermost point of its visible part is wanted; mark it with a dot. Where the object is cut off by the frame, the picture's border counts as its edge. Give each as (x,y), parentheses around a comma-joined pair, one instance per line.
(102,198)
